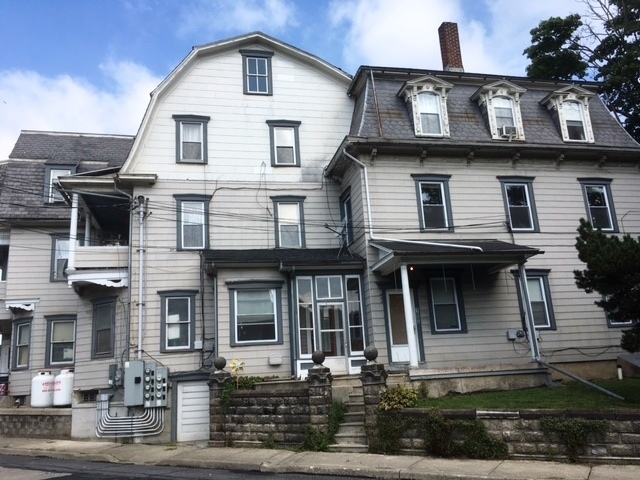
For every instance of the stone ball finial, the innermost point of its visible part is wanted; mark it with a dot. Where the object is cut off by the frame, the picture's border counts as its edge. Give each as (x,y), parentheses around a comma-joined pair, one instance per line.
(371,353)
(219,363)
(318,357)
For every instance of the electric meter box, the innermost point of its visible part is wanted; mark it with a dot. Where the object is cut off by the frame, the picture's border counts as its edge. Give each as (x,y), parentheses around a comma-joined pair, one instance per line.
(156,381)
(133,384)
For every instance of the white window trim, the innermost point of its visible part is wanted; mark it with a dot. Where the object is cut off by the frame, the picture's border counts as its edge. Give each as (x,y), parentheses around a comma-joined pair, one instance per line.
(165,296)
(605,184)
(51,321)
(484,97)
(555,104)
(280,222)
(461,328)
(431,85)
(274,287)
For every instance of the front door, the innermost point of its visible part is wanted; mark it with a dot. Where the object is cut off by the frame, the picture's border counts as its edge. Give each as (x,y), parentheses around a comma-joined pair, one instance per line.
(397,326)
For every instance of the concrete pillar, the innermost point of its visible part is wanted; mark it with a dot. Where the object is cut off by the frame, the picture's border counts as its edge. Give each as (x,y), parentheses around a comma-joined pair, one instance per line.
(320,397)
(374,381)
(217,410)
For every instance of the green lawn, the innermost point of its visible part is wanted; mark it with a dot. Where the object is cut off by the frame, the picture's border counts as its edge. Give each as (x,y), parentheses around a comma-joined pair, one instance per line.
(570,395)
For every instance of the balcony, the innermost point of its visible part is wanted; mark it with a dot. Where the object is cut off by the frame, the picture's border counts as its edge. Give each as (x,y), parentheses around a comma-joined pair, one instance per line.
(105,265)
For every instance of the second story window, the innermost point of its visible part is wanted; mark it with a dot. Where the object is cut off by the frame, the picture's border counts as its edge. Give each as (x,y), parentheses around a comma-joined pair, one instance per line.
(59,257)
(434,203)
(4,256)
(289,224)
(177,320)
(256,68)
(191,138)
(517,193)
(192,221)
(599,203)
(285,143)
(346,218)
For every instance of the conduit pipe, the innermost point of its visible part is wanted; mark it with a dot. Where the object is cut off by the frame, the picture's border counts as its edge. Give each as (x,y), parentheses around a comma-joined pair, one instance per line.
(141,213)
(151,422)
(116,180)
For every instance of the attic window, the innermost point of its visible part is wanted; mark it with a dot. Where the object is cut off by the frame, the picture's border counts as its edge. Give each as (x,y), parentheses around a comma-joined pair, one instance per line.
(500,106)
(569,108)
(51,188)
(426,100)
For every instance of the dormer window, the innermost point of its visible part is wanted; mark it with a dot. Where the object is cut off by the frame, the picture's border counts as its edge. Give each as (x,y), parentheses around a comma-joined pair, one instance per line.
(569,108)
(426,99)
(575,120)
(52,186)
(500,106)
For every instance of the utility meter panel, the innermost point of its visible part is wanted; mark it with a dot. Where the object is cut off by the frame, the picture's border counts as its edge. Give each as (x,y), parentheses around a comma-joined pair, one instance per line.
(133,386)
(156,381)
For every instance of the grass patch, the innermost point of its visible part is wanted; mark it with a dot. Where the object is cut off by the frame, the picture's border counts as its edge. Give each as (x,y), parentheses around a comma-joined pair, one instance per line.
(570,395)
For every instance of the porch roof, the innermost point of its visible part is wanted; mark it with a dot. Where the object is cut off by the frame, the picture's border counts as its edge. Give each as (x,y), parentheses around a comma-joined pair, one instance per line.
(283,258)
(494,255)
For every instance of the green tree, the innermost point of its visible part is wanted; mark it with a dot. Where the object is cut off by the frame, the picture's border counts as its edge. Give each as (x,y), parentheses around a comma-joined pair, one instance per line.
(613,271)
(555,51)
(604,46)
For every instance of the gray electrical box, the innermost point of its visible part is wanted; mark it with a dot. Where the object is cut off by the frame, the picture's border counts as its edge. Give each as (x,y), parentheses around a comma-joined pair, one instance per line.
(133,383)
(156,382)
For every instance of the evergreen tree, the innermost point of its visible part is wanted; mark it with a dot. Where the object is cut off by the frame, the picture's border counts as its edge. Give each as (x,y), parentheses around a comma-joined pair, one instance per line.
(613,271)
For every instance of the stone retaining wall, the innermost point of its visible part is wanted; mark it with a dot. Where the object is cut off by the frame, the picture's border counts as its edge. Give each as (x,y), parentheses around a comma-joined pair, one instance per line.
(35,422)
(524,437)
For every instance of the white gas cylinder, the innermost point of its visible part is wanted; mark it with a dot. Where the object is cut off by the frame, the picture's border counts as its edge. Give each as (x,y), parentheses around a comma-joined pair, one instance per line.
(63,388)
(42,389)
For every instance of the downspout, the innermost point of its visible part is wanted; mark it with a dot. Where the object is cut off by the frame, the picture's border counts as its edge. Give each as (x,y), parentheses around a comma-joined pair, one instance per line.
(409,313)
(129,260)
(533,337)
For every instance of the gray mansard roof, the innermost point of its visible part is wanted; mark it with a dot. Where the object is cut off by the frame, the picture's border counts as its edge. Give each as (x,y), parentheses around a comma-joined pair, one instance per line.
(22,190)
(380,114)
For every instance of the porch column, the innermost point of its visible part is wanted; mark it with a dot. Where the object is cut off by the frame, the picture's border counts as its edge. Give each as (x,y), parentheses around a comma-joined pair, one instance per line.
(73,234)
(528,313)
(87,229)
(409,317)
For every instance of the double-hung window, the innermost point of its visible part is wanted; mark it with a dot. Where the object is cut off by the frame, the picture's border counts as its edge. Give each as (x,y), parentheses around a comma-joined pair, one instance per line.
(599,203)
(178,320)
(256,69)
(191,138)
(503,109)
(426,99)
(256,312)
(289,222)
(21,343)
(285,143)
(447,310)
(430,118)
(192,221)
(540,298)
(499,104)
(520,207)
(61,340)
(346,218)
(52,173)
(574,119)
(434,203)
(4,255)
(104,314)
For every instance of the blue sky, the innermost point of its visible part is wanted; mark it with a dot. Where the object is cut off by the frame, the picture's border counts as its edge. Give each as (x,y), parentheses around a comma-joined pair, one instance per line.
(89,65)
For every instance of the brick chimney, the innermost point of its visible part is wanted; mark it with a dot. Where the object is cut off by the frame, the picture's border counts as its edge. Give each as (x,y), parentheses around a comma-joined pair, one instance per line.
(450,47)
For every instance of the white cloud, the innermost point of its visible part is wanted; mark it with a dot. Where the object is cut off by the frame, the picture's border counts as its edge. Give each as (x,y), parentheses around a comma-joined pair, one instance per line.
(31,101)
(214,17)
(404,33)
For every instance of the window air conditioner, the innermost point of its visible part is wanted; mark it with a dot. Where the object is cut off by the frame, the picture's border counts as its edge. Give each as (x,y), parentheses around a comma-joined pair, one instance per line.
(507,131)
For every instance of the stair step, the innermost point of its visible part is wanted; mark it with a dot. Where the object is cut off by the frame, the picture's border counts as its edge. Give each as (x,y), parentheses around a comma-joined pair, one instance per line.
(351,439)
(348,448)
(354,417)
(351,429)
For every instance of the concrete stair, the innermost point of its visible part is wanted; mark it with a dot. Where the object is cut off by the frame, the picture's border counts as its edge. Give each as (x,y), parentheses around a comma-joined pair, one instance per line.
(351,437)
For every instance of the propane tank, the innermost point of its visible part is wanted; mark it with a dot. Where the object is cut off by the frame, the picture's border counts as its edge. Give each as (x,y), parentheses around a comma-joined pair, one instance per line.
(42,389)
(63,388)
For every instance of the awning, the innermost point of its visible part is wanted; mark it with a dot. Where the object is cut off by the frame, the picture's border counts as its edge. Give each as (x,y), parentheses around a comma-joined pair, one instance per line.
(284,258)
(493,255)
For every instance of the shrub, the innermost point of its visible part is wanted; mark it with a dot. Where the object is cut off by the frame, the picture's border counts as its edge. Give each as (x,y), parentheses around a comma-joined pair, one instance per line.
(573,432)
(397,398)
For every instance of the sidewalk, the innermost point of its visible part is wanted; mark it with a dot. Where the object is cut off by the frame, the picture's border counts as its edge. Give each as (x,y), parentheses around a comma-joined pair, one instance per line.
(345,464)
